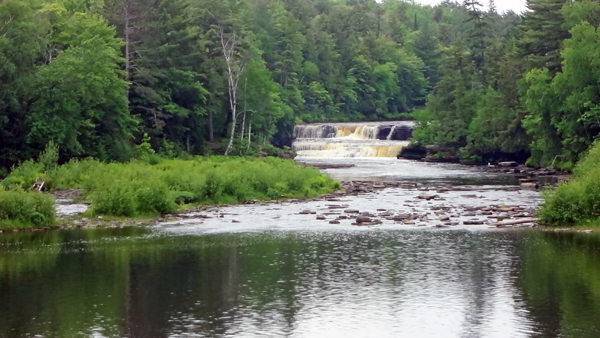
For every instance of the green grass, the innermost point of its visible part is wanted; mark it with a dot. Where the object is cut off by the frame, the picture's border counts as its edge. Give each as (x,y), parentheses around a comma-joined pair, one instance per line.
(576,203)
(139,188)
(20,209)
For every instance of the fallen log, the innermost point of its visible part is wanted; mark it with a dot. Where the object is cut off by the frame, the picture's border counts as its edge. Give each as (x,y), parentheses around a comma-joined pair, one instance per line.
(515,222)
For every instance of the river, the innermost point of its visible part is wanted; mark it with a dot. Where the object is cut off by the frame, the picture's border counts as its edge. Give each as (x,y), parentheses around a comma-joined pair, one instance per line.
(273,271)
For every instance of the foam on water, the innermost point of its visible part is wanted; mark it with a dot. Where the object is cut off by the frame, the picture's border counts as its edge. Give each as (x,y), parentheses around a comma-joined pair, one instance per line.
(338,140)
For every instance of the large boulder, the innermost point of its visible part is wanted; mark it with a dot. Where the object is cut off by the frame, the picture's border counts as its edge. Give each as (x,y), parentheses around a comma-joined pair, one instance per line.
(395,133)
(383,131)
(413,152)
(402,133)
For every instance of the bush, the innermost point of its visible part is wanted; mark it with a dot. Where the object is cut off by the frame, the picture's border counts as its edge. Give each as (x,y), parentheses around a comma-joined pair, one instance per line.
(20,209)
(139,188)
(576,202)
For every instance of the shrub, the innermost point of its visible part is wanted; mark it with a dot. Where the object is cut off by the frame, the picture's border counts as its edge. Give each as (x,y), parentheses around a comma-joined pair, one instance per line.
(114,200)
(25,175)
(141,188)
(21,209)
(576,202)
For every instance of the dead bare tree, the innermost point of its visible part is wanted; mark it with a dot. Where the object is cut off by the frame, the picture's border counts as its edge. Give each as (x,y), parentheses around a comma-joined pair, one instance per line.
(235,68)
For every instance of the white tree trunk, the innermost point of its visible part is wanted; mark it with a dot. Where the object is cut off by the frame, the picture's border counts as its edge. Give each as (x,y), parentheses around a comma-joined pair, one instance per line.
(249,132)
(234,70)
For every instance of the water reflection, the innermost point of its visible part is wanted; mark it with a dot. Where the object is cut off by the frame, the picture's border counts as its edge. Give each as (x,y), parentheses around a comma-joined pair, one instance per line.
(379,169)
(130,282)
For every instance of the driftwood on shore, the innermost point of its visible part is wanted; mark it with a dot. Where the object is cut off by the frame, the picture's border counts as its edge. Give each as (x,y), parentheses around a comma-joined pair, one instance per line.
(514,222)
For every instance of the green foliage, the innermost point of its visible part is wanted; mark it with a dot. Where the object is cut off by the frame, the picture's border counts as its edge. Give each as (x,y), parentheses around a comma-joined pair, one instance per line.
(141,188)
(20,209)
(94,76)
(576,202)
(144,149)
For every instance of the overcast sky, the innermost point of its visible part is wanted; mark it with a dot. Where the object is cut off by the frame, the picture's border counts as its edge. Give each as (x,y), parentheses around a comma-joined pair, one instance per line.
(502,5)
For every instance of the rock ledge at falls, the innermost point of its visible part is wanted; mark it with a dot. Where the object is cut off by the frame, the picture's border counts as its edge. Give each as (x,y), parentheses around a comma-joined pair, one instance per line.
(352,139)
(390,130)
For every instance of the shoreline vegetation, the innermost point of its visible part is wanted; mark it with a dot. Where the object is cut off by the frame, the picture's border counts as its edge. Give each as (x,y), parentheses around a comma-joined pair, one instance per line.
(143,188)
(152,188)
(184,78)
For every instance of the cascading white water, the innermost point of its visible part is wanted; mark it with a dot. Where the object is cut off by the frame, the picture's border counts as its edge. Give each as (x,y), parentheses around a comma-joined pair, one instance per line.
(372,139)
(389,137)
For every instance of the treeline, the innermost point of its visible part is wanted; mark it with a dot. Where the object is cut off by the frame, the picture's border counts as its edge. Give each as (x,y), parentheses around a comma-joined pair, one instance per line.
(95,76)
(530,90)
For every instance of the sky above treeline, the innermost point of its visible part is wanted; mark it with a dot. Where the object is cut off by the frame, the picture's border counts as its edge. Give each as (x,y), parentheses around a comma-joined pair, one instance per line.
(501,5)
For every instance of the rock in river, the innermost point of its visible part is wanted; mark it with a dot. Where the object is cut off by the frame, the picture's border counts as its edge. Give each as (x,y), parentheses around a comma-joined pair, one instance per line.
(427,196)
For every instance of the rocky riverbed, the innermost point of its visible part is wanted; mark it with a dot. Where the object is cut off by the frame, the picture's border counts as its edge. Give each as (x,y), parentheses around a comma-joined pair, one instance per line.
(396,193)
(367,205)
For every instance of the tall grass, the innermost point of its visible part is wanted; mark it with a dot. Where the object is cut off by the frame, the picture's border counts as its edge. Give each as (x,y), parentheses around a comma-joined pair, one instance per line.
(576,202)
(20,209)
(139,188)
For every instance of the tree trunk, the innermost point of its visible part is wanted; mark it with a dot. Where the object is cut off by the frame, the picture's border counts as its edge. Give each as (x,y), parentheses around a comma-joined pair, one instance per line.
(249,132)
(234,69)
(244,119)
(243,126)
(230,145)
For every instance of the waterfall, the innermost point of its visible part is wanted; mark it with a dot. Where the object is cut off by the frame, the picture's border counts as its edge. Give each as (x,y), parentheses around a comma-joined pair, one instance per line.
(389,137)
(370,139)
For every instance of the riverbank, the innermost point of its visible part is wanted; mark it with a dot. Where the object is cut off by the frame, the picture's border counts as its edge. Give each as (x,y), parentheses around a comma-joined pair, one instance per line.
(143,190)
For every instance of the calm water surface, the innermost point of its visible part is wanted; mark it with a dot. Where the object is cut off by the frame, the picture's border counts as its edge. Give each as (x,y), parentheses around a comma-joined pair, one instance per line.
(304,281)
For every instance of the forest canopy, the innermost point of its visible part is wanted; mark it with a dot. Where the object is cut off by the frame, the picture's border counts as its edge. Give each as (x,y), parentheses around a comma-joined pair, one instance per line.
(97,77)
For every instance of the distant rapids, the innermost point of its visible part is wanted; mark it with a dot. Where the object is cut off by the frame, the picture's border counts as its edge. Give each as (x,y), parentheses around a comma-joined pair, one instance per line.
(352,139)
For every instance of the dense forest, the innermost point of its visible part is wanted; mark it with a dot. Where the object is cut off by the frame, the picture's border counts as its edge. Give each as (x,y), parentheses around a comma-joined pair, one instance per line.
(96,77)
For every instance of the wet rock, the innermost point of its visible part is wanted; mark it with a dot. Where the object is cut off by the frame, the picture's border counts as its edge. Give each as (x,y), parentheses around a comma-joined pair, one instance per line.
(529,185)
(234,221)
(386,214)
(427,197)
(503,226)
(473,222)
(307,212)
(351,211)
(401,217)
(508,164)
(334,222)
(469,196)
(320,217)
(336,206)
(363,219)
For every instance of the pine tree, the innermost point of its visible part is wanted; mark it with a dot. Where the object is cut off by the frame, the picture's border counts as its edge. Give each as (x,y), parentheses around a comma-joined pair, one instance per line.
(492,6)
(543,34)
(478,36)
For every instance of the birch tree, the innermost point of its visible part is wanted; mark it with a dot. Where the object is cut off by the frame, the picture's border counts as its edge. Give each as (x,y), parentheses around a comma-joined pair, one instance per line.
(235,67)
